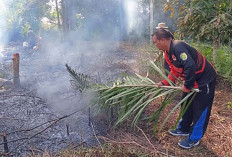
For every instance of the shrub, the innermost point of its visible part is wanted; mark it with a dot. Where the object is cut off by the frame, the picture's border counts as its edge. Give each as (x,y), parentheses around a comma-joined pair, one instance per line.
(223,61)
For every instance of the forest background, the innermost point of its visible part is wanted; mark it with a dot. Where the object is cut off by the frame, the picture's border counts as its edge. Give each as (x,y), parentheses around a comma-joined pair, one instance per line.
(205,24)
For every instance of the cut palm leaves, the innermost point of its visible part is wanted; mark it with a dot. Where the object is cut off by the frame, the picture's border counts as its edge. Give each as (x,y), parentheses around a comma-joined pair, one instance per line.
(133,94)
(79,81)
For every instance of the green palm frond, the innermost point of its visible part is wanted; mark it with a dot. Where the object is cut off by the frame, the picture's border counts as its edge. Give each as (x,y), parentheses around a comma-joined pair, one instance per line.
(184,100)
(79,81)
(134,93)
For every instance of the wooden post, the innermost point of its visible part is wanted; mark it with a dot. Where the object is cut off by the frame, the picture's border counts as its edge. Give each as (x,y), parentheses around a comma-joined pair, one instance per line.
(89,117)
(67,127)
(6,149)
(16,80)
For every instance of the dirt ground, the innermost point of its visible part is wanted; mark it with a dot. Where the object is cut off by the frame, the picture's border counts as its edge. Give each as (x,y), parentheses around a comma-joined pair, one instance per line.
(217,140)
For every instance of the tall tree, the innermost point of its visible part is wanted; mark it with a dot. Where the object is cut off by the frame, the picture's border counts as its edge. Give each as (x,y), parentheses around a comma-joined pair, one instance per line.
(58,14)
(151,19)
(65,17)
(208,20)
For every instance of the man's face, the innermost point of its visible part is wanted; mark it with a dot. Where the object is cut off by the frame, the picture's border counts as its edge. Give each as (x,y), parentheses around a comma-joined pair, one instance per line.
(159,43)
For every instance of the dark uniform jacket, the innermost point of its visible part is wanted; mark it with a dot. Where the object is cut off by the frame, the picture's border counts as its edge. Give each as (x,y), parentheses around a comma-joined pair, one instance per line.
(189,64)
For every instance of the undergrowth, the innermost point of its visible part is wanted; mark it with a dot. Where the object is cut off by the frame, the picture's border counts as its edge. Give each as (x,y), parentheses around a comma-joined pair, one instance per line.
(223,60)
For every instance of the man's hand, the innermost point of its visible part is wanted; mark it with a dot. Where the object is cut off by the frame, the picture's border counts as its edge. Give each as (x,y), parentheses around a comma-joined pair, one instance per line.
(159,84)
(184,89)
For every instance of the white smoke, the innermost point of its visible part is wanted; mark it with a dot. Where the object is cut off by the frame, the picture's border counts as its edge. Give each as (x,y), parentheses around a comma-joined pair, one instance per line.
(135,16)
(3,20)
(3,25)
(130,9)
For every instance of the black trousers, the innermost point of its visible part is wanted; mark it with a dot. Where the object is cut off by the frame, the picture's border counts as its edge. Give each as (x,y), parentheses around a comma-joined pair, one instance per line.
(196,118)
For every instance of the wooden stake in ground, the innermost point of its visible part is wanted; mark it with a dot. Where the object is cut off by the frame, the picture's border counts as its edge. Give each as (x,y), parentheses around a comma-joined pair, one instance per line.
(6,150)
(16,80)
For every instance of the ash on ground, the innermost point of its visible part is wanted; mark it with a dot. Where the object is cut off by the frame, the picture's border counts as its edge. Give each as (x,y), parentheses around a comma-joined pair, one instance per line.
(46,114)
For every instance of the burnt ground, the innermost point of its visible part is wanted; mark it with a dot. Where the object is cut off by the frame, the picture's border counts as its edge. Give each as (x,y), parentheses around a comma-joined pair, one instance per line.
(34,116)
(47,114)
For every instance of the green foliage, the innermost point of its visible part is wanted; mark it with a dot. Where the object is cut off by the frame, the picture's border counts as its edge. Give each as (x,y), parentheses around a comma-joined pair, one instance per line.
(203,19)
(24,14)
(79,81)
(34,12)
(229,105)
(205,49)
(134,94)
(224,58)
(25,29)
(151,53)
(224,62)
(104,18)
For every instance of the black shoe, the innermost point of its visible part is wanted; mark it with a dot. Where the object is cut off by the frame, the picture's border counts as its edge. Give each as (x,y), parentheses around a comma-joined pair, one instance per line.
(178,132)
(187,143)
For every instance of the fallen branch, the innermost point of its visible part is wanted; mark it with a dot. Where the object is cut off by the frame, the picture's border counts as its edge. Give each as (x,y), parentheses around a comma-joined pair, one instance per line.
(2,96)
(27,130)
(153,151)
(11,118)
(151,143)
(5,82)
(28,138)
(96,136)
(146,138)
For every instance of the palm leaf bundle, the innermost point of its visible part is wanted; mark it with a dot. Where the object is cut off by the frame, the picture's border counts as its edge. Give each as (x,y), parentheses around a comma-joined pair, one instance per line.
(133,94)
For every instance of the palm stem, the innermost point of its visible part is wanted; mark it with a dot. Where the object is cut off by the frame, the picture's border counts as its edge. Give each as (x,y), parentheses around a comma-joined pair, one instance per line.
(156,86)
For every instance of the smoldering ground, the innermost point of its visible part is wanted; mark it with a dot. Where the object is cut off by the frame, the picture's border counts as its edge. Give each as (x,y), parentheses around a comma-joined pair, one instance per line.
(47,93)
(90,50)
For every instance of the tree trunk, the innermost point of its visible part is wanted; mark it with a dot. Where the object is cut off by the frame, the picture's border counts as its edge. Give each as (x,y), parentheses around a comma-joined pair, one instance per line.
(71,15)
(122,20)
(58,14)
(151,20)
(65,19)
(215,48)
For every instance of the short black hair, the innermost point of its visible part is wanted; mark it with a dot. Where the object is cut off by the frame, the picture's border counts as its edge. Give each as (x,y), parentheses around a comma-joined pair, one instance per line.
(162,33)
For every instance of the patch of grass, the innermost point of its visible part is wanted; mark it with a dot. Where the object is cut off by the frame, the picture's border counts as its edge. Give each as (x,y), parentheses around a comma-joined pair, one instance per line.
(223,61)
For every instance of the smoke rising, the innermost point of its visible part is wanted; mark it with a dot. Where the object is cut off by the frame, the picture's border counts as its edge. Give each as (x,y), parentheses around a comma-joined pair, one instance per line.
(91,47)
(3,24)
